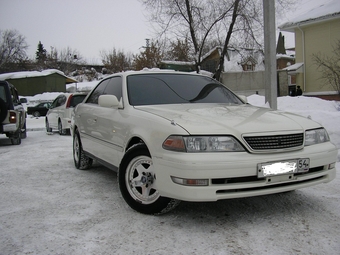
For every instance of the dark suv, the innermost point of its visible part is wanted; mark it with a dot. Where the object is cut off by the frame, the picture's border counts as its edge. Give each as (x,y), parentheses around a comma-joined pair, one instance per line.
(12,113)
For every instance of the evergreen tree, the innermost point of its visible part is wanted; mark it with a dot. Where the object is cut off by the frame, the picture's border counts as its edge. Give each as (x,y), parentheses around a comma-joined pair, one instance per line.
(150,58)
(41,54)
(280,48)
(179,51)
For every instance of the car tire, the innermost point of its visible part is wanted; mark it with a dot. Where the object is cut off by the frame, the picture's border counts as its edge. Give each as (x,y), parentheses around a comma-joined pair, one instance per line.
(16,138)
(60,128)
(47,125)
(136,178)
(81,161)
(36,114)
(3,110)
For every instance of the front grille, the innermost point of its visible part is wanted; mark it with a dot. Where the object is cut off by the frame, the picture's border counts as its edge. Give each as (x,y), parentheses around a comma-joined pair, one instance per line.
(274,142)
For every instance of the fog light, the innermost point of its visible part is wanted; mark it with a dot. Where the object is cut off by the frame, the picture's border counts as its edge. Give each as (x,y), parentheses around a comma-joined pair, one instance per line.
(190,182)
(332,165)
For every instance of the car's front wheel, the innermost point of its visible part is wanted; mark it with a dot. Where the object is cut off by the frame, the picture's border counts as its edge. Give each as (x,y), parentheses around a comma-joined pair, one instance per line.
(48,129)
(136,181)
(81,161)
(36,114)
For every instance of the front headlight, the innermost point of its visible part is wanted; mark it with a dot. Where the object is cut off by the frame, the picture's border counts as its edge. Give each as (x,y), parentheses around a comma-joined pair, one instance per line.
(315,136)
(202,144)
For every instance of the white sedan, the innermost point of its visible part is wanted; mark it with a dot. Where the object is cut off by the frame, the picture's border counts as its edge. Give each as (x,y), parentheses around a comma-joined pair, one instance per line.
(175,136)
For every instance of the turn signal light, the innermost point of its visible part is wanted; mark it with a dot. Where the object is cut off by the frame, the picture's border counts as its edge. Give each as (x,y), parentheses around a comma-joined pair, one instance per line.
(190,182)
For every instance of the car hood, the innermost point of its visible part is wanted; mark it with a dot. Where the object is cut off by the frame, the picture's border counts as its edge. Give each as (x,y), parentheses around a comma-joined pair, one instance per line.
(234,119)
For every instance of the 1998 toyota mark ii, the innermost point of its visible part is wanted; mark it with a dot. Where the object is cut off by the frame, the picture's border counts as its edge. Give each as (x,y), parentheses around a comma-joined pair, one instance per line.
(176,136)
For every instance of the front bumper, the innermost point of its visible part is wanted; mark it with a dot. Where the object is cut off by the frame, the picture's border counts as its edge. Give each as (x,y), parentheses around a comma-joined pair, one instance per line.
(234,174)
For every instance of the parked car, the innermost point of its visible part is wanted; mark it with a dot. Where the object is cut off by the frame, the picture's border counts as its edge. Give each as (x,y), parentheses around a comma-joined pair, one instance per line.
(23,100)
(39,110)
(59,115)
(12,114)
(175,136)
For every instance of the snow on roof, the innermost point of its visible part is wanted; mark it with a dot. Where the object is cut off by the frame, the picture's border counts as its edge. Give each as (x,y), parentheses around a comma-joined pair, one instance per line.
(286,56)
(326,10)
(293,69)
(170,62)
(232,62)
(29,74)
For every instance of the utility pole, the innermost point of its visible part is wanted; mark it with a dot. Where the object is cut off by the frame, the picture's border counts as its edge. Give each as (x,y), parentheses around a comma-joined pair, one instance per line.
(147,41)
(270,53)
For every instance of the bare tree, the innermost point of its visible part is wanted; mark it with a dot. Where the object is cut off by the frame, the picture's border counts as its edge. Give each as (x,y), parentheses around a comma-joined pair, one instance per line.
(13,48)
(330,67)
(188,18)
(66,60)
(231,22)
(116,60)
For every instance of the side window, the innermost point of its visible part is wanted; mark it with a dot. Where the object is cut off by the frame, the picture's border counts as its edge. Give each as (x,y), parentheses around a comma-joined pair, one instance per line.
(99,90)
(114,87)
(61,101)
(15,97)
(54,104)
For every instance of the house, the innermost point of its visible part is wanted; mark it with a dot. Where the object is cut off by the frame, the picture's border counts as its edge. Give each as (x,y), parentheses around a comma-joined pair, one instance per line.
(31,83)
(316,32)
(178,66)
(236,60)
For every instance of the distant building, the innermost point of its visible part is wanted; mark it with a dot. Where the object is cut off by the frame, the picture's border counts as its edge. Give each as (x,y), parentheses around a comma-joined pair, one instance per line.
(317,31)
(31,83)
(236,60)
(178,66)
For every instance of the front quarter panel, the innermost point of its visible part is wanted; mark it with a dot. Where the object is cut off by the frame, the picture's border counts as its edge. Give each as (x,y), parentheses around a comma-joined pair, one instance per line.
(153,130)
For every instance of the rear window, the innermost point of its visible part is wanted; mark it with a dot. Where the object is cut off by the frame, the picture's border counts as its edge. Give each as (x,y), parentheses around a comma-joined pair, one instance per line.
(76,99)
(3,93)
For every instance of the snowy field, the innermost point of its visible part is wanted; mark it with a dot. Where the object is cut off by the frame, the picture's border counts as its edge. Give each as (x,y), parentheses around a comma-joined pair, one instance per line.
(49,207)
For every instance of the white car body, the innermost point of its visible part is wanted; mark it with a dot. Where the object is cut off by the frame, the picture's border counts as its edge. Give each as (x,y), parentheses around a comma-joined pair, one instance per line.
(108,129)
(59,115)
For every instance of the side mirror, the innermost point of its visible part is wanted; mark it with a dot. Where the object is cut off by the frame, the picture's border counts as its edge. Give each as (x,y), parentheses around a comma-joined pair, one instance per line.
(108,101)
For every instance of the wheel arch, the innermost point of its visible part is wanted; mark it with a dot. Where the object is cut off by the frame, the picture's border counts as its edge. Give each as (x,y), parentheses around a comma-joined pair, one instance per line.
(133,141)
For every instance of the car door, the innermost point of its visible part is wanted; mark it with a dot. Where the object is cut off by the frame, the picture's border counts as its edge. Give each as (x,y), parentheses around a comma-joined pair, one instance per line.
(86,116)
(53,113)
(101,123)
(110,125)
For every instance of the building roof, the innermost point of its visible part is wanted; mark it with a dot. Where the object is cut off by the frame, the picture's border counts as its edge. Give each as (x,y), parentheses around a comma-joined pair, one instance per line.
(327,10)
(294,69)
(30,74)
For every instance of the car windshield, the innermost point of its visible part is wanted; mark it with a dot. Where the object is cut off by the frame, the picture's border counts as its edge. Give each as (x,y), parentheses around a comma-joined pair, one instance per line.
(150,89)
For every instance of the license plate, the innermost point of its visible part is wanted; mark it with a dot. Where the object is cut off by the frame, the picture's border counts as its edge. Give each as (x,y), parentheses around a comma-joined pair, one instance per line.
(283,167)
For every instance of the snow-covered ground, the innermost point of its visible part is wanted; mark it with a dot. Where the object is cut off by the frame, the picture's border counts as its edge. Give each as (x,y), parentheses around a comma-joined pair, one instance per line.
(49,207)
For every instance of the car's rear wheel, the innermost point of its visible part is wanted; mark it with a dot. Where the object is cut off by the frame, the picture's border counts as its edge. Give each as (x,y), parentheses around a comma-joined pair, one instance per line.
(36,114)
(23,131)
(60,128)
(136,181)
(48,129)
(16,140)
(81,161)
